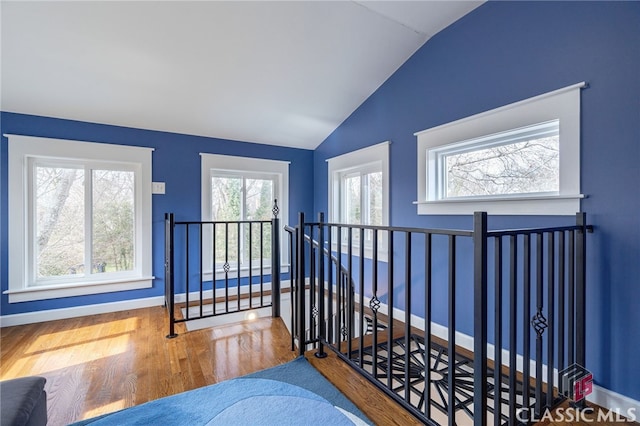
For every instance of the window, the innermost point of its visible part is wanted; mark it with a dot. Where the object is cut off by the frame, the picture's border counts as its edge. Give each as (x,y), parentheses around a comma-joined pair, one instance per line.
(520,161)
(239,189)
(359,188)
(79,217)
(522,158)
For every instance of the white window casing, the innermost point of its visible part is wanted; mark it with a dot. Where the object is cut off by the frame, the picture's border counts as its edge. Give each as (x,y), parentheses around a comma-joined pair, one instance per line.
(562,105)
(374,158)
(228,165)
(27,151)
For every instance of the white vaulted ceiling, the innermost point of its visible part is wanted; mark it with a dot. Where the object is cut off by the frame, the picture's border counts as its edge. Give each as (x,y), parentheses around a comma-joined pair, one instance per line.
(280,73)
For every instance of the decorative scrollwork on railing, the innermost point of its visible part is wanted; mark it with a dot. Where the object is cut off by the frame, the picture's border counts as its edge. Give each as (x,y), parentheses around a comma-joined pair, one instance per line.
(539,323)
(275,210)
(226,267)
(374,304)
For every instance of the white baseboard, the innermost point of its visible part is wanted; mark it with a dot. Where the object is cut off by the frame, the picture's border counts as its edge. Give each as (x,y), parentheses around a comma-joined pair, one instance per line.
(78,311)
(616,402)
(103,308)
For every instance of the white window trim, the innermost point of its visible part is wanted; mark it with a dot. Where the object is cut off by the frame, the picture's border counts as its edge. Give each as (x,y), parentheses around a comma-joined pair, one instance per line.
(562,104)
(21,150)
(341,164)
(245,165)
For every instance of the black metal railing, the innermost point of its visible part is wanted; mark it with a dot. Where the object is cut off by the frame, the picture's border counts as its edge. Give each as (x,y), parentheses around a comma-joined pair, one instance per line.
(388,301)
(219,266)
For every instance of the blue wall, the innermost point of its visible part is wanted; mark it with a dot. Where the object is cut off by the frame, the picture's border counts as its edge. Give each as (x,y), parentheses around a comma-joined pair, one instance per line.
(505,52)
(176,161)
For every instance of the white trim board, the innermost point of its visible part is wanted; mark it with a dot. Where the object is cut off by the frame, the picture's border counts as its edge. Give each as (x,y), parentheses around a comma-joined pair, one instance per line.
(78,311)
(104,308)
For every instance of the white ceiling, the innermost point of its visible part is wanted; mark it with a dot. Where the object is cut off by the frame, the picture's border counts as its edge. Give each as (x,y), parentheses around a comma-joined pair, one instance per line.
(281,73)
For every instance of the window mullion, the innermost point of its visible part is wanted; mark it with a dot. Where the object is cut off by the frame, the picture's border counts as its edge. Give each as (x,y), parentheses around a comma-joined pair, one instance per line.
(243,216)
(32,227)
(364,195)
(88,220)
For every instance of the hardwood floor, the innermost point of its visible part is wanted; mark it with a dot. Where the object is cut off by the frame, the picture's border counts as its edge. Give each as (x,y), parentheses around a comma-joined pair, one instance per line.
(103,363)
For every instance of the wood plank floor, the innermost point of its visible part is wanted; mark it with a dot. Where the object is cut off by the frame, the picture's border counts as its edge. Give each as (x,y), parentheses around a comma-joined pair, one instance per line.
(103,363)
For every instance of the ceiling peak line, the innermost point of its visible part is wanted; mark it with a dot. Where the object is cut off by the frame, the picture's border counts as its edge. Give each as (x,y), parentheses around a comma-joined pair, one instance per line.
(395,21)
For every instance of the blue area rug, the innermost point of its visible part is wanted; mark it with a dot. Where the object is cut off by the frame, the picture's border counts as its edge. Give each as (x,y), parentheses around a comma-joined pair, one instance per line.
(290,394)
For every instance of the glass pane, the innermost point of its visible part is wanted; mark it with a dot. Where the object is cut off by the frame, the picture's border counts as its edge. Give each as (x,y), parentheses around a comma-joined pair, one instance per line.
(59,212)
(374,198)
(529,166)
(226,198)
(113,221)
(226,205)
(260,197)
(351,212)
(226,239)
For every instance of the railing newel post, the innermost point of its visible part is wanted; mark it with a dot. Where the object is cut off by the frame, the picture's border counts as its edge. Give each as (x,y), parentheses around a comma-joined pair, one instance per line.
(581,307)
(321,296)
(169,297)
(300,285)
(480,319)
(275,261)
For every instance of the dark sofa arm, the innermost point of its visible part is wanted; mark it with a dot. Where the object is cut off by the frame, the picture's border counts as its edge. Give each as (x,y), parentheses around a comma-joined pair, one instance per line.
(23,402)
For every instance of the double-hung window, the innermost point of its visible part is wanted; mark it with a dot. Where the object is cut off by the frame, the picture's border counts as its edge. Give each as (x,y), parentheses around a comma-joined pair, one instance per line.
(358,190)
(236,191)
(79,217)
(523,158)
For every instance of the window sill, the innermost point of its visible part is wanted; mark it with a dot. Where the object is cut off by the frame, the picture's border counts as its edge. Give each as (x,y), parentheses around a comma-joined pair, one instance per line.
(77,289)
(560,205)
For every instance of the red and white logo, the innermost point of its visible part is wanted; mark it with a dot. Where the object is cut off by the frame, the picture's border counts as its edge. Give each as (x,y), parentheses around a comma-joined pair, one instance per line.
(575,382)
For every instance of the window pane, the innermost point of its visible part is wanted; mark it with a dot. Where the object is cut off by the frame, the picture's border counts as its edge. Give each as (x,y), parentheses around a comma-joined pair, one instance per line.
(259,204)
(529,166)
(226,205)
(259,199)
(59,210)
(113,221)
(226,198)
(351,190)
(374,198)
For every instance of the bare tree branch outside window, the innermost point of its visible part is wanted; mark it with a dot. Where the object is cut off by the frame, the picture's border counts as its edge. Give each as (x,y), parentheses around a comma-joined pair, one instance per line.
(524,167)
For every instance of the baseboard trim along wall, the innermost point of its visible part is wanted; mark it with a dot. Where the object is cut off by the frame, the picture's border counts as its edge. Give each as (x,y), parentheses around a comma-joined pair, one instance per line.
(104,308)
(79,311)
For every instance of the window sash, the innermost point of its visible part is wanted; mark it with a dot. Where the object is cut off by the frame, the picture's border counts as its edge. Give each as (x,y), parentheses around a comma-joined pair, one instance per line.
(250,167)
(439,172)
(231,256)
(87,167)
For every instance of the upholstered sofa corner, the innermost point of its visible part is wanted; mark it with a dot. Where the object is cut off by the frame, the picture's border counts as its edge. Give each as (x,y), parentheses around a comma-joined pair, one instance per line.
(23,402)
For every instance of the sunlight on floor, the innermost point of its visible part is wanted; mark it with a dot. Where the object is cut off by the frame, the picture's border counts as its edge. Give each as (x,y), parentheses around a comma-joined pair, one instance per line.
(54,351)
(104,409)
(50,341)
